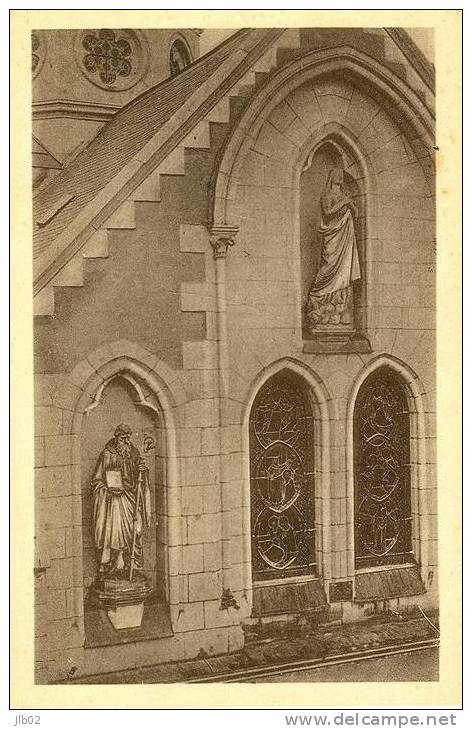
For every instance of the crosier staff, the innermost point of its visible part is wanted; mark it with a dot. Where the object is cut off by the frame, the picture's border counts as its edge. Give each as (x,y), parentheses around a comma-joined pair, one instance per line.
(139,501)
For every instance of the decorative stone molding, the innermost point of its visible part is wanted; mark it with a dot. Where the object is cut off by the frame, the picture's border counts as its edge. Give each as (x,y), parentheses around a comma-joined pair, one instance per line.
(221,238)
(70,109)
(316,64)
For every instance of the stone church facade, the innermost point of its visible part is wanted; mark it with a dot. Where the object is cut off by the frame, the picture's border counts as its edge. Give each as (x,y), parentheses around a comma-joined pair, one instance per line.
(290,463)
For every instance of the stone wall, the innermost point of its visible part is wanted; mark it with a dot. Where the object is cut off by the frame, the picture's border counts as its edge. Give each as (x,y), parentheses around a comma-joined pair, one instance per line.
(263,279)
(205,376)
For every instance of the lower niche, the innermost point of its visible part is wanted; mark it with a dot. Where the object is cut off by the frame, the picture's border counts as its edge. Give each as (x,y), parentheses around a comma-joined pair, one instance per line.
(124,522)
(100,632)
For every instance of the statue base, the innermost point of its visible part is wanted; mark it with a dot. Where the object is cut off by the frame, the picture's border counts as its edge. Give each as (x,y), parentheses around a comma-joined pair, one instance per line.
(330,341)
(123,600)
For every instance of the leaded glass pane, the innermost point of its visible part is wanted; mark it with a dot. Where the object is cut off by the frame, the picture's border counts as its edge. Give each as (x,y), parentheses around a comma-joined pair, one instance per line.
(382,497)
(282,480)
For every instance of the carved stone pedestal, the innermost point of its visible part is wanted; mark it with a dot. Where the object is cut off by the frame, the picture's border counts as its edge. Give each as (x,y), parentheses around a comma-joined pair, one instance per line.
(332,342)
(123,600)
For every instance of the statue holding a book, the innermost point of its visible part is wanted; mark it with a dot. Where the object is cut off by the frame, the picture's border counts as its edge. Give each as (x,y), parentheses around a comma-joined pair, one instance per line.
(121,511)
(121,505)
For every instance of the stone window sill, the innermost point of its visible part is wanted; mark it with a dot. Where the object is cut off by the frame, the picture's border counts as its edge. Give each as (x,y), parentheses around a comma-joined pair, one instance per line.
(388,584)
(281,599)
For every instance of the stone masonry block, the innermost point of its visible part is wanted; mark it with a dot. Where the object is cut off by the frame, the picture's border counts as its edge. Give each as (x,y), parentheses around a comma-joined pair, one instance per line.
(189,617)
(212,556)
(53,481)
(333,108)
(211,498)
(189,441)
(54,512)
(201,413)
(47,421)
(236,521)
(66,633)
(232,495)
(192,500)
(231,439)
(57,450)
(282,116)
(297,133)
(215,617)
(305,104)
(178,589)
(204,586)
(201,470)
(38,452)
(74,602)
(206,642)
(192,558)
(60,574)
(203,528)
(195,296)
(175,530)
(56,543)
(56,604)
(199,355)
(210,441)
(334,87)
(174,556)
(231,466)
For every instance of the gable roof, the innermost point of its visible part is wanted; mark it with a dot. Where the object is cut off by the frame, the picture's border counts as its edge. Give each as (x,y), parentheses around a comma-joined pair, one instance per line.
(43,158)
(122,137)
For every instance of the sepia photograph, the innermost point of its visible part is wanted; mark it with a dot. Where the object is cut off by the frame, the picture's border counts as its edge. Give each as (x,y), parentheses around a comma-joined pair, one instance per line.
(234,297)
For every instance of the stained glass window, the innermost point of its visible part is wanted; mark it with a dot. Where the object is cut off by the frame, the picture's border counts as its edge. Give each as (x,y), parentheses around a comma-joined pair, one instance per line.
(107,55)
(282,480)
(382,498)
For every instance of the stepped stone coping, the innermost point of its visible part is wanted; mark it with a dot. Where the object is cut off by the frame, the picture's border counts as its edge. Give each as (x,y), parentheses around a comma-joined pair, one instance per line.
(101,180)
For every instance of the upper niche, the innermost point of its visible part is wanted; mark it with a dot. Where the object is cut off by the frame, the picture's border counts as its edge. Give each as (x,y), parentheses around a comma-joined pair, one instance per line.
(179,57)
(332,241)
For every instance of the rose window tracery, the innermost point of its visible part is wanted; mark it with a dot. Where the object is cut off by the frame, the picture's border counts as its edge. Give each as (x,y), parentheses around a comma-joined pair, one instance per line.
(107,55)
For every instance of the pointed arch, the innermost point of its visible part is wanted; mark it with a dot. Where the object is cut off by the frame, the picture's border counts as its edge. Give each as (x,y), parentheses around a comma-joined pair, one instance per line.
(320,402)
(148,378)
(414,393)
(358,165)
(352,63)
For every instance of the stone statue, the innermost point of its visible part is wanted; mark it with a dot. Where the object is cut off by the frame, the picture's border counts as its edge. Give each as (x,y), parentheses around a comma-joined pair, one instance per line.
(329,304)
(121,506)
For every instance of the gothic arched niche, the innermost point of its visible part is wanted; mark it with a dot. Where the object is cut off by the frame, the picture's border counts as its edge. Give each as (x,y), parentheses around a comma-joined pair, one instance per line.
(332,241)
(123,400)
(179,57)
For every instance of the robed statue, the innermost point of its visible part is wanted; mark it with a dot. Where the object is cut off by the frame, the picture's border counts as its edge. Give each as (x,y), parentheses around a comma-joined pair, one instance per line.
(121,506)
(329,304)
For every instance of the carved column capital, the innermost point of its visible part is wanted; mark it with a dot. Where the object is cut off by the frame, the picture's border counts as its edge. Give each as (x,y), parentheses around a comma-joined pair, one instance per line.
(221,238)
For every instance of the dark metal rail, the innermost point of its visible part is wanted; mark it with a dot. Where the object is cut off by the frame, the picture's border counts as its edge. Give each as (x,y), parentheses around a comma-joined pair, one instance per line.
(247,674)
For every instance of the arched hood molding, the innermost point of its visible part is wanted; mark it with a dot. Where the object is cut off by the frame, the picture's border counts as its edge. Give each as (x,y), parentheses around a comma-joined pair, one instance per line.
(343,60)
